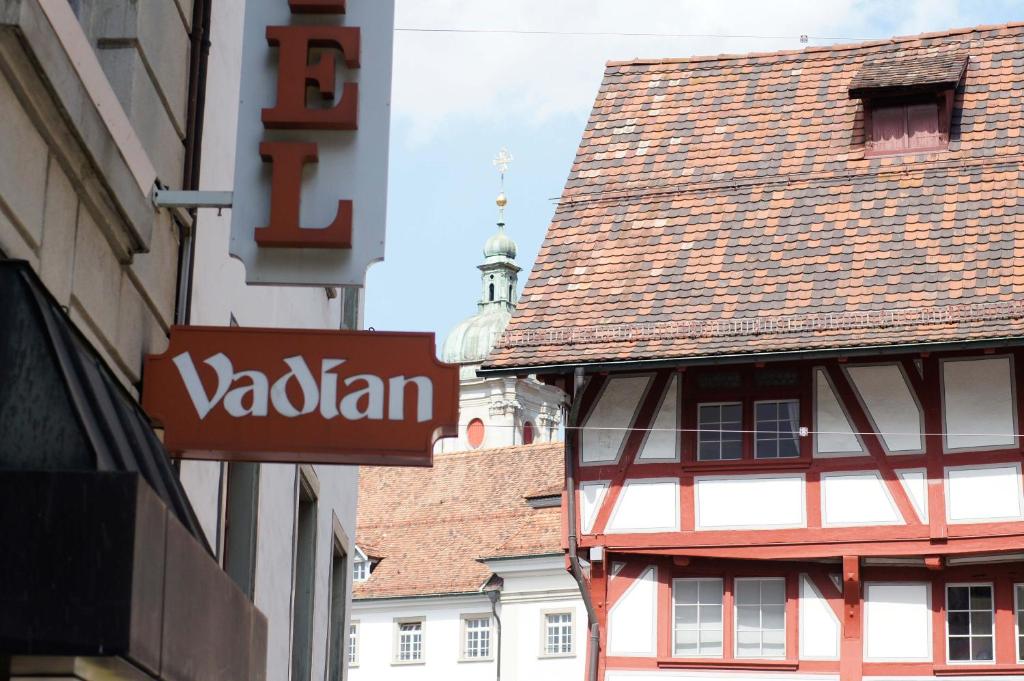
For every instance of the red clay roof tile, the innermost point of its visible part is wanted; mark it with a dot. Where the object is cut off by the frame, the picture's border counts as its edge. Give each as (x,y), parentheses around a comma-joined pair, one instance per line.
(722,206)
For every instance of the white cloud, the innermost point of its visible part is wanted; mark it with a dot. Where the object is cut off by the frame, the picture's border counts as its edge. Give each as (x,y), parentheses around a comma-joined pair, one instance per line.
(446,79)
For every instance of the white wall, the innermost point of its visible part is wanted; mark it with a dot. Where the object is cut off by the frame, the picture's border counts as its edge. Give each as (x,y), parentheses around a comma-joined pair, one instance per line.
(220,292)
(532,586)
(441,639)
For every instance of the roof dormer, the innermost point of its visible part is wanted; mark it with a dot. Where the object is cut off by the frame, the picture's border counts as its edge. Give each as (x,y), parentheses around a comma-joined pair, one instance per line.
(908,101)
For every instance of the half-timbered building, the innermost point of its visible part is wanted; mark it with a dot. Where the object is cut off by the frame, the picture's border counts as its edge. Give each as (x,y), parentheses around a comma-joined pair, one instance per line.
(785,292)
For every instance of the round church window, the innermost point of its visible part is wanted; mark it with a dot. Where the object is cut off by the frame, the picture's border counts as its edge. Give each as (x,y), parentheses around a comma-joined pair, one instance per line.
(475,433)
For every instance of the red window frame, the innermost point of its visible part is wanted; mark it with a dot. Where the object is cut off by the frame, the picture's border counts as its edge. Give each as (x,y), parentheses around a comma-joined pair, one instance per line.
(747,393)
(944,103)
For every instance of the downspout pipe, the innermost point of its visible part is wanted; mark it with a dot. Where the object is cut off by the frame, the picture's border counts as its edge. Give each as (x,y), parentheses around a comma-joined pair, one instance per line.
(199,60)
(492,596)
(571,448)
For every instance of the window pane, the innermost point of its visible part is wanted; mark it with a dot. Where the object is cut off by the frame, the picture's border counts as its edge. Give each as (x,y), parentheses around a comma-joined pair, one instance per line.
(981,648)
(773,591)
(732,449)
(981,598)
(686,616)
(686,591)
(959,648)
(711,591)
(981,623)
(732,414)
(711,615)
(748,644)
(686,643)
(766,411)
(748,592)
(1020,647)
(957,597)
(773,616)
(748,618)
(959,623)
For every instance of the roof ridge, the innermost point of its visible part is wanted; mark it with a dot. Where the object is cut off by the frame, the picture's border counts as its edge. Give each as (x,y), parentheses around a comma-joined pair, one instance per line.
(816,49)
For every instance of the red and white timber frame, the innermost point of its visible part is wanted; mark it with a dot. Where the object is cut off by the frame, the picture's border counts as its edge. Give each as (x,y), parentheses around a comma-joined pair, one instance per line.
(931,497)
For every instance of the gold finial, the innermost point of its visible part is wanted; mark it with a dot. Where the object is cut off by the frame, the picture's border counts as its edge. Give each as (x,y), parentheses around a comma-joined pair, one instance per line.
(501,163)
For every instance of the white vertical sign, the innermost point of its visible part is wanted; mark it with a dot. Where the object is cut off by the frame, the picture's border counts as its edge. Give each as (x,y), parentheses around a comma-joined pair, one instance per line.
(331,55)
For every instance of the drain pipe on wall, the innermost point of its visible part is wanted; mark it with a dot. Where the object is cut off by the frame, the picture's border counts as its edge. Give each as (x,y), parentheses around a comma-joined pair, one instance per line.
(493,595)
(571,447)
(199,61)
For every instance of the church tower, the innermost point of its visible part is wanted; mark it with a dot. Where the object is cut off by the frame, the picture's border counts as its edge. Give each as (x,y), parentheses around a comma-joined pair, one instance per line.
(497,411)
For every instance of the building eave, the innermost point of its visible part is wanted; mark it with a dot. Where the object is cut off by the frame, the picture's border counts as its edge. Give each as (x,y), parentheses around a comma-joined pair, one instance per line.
(738,358)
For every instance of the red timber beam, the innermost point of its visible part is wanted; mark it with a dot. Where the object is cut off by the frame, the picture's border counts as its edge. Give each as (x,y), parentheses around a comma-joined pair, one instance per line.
(873,443)
(851,655)
(928,390)
(635,439)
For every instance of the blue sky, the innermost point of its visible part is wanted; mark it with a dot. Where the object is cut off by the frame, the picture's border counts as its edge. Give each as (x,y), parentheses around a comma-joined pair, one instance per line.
(460,97)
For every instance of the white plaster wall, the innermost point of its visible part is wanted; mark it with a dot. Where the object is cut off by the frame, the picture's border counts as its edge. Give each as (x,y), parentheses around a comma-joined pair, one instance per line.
(749,502)
(834,436)
(890,405)
(984,493)
(700,675)
(441,640)
(606,427)
(662,443)
(522,622)
(633,619)
(819,626)
(978,403)
(857,499)
(531,587)
(646,505)
(592,495)
(897,622)
(219,292)
(915,482)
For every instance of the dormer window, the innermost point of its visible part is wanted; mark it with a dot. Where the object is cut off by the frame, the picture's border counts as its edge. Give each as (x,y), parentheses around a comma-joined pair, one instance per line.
(908,102)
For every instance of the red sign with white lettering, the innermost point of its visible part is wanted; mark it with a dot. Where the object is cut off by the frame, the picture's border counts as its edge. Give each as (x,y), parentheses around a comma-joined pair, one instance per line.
(275,395)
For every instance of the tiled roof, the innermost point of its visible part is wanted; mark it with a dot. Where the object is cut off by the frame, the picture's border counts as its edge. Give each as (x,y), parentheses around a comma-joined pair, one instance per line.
(931,68)
(432,525)
(724,205)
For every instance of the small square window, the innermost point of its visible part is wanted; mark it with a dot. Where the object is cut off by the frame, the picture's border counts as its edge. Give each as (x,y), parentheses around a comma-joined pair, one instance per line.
(777,429)
(719,431)
(905,127)
(970,631)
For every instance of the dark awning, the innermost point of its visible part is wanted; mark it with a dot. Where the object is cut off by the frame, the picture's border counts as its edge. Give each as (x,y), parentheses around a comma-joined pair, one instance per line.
(103,562)
(61,408)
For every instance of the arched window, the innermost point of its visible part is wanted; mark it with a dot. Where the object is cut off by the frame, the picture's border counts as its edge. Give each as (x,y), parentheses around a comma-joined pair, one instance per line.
(527,433)
(490,287)
(475,433)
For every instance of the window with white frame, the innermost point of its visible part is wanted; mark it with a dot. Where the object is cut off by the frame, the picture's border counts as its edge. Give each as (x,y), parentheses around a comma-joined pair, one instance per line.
(476,637)
(970,631)
(719,435)
(557,633)
(776,429)
(1018,609)
(360,570)
(353,644)
(697,612)
(760,617)
(409,640)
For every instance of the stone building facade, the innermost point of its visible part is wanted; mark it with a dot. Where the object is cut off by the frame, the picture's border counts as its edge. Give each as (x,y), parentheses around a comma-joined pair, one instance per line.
(100,103)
